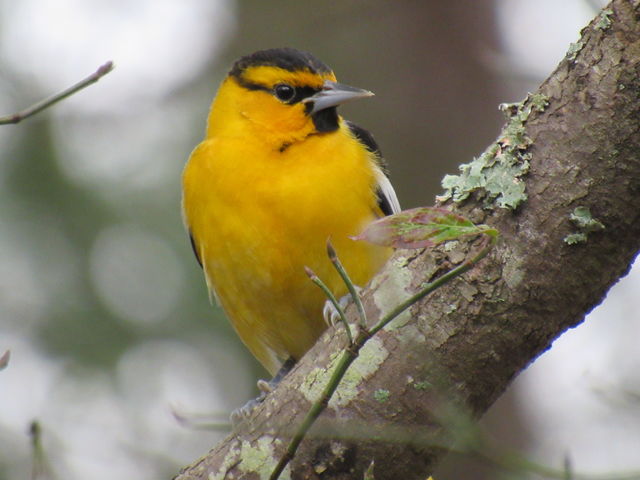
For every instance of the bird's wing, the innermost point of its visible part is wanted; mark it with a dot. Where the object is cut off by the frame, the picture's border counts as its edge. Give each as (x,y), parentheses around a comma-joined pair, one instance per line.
(387,198)
(194,247)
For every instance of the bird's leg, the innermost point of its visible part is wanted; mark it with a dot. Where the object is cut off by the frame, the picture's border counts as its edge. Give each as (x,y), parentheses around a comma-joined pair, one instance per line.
(267,387)
(239,414)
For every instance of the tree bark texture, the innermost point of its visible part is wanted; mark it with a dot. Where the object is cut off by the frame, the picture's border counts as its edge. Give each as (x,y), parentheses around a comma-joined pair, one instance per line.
(405,398)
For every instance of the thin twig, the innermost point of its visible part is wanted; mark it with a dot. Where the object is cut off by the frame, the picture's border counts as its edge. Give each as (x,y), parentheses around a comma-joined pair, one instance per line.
(347,281)
(41,468)
(350,354)
(4,359)
(568,470)
(47,102)
(315,279)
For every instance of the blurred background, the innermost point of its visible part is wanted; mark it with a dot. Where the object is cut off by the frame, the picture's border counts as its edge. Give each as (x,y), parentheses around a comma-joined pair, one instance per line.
(102,304)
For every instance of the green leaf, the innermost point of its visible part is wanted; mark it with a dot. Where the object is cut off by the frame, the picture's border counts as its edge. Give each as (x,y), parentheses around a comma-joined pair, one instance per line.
(421,228)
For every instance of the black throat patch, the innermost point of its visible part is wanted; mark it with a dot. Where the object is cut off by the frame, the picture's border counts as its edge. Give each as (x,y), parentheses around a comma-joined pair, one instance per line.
(326,120)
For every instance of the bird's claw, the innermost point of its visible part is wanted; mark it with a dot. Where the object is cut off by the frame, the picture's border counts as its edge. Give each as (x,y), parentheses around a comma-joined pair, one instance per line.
(239,415)
(265,387)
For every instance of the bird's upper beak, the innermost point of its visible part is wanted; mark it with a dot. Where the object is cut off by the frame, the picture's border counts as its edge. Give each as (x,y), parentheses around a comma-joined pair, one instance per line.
(333,94)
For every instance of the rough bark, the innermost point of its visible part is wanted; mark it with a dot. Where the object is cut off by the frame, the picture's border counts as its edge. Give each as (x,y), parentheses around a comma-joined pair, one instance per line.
(454,353)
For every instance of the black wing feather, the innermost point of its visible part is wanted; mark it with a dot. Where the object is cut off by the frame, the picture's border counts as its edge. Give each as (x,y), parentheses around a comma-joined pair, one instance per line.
(195,249)
(365,137)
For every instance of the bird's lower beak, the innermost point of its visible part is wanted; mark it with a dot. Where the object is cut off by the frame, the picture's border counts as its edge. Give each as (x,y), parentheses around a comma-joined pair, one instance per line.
(333,94)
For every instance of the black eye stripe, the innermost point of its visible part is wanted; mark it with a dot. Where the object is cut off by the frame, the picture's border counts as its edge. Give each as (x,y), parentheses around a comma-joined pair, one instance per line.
(300,93)
(304,92)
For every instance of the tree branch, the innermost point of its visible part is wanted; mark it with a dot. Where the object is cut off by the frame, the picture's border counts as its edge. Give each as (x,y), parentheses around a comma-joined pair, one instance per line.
(572,144)
(48,102)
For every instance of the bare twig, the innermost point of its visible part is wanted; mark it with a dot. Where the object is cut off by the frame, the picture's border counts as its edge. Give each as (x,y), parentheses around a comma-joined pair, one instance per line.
(47,102)
(315,279)
(347,281)
(41,468)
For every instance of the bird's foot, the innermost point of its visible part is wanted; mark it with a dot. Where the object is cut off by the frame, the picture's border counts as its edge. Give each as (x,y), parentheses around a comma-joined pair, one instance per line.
(239,415)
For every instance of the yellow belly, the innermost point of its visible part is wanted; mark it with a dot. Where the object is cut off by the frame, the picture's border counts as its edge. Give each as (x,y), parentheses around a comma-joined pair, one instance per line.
(257,219)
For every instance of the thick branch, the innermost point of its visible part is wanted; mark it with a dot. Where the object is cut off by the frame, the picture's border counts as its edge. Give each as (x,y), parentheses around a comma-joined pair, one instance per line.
(456,352)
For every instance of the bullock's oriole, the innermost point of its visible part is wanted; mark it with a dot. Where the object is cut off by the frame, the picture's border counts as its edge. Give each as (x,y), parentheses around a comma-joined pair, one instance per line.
(278,173)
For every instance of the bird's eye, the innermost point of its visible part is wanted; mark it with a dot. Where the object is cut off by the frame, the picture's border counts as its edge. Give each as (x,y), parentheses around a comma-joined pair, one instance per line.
(284,92)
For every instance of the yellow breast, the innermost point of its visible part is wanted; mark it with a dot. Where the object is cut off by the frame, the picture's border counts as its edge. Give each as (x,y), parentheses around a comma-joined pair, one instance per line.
(258,216)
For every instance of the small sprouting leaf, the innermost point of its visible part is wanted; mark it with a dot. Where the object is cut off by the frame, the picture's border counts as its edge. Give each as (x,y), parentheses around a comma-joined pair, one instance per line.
(420,228)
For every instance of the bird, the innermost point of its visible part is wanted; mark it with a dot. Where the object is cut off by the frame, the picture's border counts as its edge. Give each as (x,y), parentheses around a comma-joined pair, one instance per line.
(280,172)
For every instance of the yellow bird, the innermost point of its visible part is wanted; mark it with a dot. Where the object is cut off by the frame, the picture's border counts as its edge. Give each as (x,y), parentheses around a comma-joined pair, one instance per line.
(278,173)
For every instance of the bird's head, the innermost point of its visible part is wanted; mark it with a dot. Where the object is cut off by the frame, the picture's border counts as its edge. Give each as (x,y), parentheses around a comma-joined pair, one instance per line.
(280,96)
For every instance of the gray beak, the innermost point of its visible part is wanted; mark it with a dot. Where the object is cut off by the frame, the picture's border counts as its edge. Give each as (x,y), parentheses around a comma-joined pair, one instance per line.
(333,94)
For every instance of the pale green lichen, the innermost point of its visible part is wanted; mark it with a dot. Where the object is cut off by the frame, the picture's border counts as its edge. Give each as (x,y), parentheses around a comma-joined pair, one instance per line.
(512,271)
(604,20)
(389,289)
(408,334)
(369,360)
(451,245)
(230,459)
(338,449)
(575,238)
(381,395)
(538,102)
(259,458)
(574,50)
(581,217)
(499,169)
(315,381)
